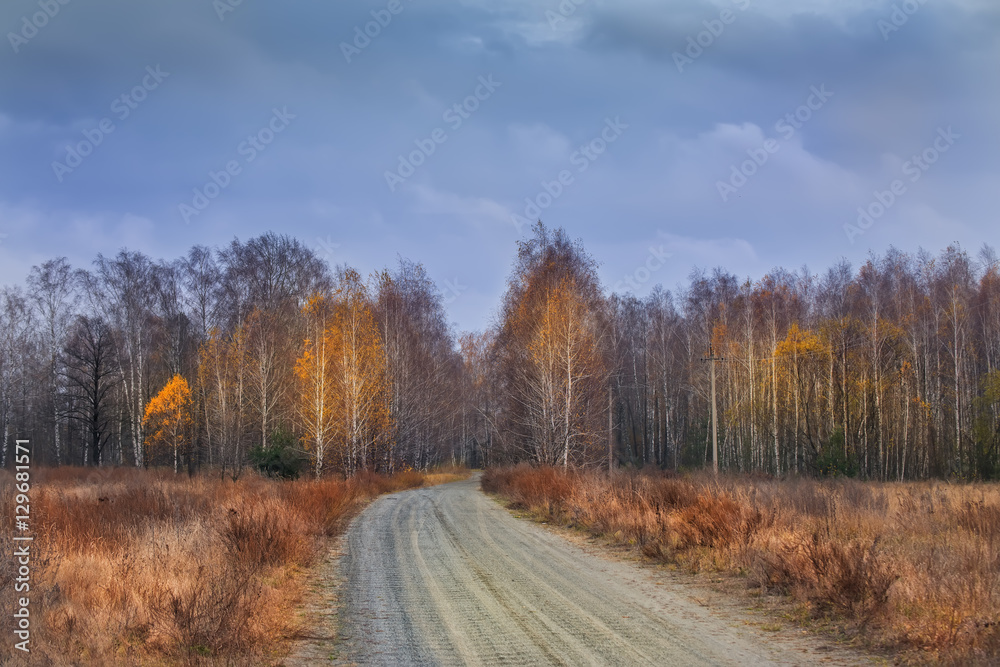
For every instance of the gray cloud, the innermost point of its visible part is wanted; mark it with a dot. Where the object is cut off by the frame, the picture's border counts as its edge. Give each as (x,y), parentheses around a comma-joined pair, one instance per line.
(324,177)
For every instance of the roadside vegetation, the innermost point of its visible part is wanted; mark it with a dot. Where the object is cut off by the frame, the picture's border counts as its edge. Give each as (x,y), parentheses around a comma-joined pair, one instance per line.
(911,567)
(147,567)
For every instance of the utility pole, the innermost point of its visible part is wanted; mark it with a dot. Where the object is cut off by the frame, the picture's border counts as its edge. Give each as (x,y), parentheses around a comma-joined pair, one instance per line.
(711,358)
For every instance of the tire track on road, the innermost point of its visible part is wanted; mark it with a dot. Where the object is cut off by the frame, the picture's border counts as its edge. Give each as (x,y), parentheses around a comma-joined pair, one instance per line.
(444,576)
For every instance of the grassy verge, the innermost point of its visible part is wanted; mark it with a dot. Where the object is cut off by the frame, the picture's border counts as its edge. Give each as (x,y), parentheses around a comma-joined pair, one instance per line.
(137,567)
(445,474)
(912,567)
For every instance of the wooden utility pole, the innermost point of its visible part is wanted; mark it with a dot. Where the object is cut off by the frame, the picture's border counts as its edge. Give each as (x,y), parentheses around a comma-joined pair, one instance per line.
(711,358)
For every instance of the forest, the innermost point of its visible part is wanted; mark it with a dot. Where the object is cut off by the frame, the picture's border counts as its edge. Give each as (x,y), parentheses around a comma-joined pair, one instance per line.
(261,354)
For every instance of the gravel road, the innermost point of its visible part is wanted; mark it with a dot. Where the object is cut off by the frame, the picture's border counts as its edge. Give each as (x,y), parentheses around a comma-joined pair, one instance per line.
(445,576)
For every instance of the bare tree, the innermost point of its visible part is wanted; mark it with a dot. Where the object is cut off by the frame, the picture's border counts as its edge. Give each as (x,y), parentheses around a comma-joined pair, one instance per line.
(92,374)
(17,351)
(123,288)
(54,294)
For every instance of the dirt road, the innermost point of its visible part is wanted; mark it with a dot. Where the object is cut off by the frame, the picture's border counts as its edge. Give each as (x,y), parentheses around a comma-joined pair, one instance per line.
(445,576)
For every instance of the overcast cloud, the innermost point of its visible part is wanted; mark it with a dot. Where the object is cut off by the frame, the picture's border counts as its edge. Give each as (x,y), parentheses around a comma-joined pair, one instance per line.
(616,120)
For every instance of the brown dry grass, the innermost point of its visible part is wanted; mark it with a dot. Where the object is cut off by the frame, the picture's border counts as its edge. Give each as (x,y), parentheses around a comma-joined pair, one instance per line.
(445,474)
(137,567)
(911,567)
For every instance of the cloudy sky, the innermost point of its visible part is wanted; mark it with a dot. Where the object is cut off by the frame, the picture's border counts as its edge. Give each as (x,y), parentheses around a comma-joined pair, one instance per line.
(665,135)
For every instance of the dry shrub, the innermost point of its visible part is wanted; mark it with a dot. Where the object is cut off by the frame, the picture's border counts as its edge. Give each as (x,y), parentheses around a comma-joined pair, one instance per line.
(261,533)
(113,514)
(669,493)
(848,579)
(373,484)
(709,521)
(210,609)
(911,566)
(326,505)
(982,519)
(407,479)
(497,480)
(536,489)
(140,567)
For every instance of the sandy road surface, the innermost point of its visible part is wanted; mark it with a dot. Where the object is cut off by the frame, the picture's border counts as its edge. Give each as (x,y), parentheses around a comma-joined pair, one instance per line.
(445,576)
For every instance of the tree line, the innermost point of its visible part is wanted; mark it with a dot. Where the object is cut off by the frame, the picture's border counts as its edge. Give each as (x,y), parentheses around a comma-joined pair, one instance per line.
(227,355)
(889,371)
(227,352)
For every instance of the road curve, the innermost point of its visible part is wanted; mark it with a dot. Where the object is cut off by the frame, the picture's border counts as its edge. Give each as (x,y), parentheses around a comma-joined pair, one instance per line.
(445,576)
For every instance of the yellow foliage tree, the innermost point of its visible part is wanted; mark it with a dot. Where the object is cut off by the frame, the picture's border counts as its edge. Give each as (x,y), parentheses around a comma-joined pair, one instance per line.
(564,372)
(343,380)
(804,357)
(362,376)
(167,422)
(316,372)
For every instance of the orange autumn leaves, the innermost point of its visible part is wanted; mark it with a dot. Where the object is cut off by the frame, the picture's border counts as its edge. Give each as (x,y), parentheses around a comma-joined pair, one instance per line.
(167,421)
(343,385)
(338,393)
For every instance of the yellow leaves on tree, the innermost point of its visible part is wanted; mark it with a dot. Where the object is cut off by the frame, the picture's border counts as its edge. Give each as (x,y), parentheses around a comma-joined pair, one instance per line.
(804,355)
(167,422)
(343,379)
(802,346)
(315,371)
(363,376)
(564,371)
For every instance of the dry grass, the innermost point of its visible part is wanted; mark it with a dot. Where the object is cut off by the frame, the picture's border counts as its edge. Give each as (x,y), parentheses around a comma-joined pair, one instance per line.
(445,474)
(136,567)
(913,567)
